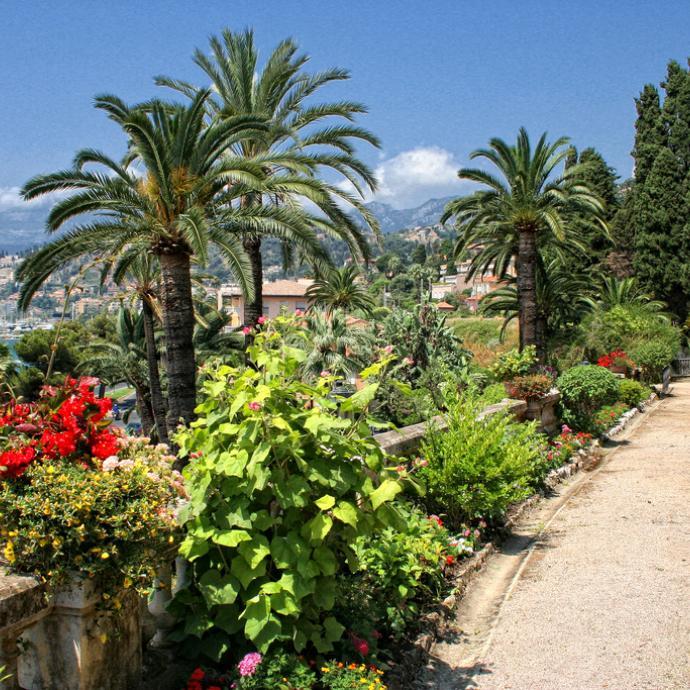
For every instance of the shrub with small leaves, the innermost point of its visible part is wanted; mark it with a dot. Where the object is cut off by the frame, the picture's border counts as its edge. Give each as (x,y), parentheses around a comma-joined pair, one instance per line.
(652,358)
(584,389)
(607,417)
(632,393)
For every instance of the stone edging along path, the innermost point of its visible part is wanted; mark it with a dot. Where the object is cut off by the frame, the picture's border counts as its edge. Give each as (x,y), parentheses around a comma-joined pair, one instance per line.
(434,623)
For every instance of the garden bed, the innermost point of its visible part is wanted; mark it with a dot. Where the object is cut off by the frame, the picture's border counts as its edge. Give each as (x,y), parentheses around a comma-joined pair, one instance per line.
(434,623)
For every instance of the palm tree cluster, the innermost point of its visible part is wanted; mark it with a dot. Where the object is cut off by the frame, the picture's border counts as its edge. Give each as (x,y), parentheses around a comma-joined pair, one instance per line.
(245,159)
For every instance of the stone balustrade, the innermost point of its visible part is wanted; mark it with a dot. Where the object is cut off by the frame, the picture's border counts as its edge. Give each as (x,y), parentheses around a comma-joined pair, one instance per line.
(406,440)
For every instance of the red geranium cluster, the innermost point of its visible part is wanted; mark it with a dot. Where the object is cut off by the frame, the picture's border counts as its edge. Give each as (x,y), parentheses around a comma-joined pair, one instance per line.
(67,422)
(615,358)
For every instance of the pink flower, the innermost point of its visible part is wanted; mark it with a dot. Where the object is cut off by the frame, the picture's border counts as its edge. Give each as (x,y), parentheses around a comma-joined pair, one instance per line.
(388,349)
(361,646)
(254,405)
(246,330)
(400,469)
(248,665)
(566,429)
(325,373)
(298,312)
(436,519)
(409,361)
(422,462)
(261,320)
(466,533)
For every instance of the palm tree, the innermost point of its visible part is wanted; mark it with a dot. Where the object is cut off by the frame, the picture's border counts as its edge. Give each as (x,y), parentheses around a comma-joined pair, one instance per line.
(124,361)
(333,346)
(339,289)
(138,272)
(531,205)
(563,298)
(625,291)
(302,139)
(175,204)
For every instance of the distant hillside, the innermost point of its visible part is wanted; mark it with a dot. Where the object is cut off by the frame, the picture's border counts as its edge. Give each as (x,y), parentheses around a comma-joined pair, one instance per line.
(23,228)
(393,220)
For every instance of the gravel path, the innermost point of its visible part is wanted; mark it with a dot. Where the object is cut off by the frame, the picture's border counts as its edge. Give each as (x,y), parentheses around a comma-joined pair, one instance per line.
(593,589)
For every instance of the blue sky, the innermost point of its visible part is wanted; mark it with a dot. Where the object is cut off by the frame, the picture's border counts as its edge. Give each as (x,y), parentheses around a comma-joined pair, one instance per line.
(440,77)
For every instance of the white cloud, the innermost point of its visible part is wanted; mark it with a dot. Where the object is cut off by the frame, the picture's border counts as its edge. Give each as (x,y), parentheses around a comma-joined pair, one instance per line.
(11,200)
(414,176)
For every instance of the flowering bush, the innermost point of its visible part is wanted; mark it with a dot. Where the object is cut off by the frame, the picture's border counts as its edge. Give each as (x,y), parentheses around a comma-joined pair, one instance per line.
(282,482)
(561,448)
(514,363)
(607,417)
(75,497)
(615,358)
(339,676)
(530,387)
(401,570)
(67,422)
(61,519)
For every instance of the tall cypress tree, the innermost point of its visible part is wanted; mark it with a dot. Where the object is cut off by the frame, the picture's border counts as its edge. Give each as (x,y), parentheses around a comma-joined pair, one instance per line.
(657,206)
(650,137)
(661,241)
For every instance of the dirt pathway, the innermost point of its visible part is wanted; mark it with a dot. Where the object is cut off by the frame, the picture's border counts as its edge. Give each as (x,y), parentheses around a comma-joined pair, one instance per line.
(593,589)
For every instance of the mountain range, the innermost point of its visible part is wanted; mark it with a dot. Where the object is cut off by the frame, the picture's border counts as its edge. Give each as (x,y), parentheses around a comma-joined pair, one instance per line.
(23,228)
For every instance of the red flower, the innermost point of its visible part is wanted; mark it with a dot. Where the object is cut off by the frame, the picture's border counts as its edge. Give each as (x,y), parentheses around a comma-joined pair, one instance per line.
(450,560)
(197,674)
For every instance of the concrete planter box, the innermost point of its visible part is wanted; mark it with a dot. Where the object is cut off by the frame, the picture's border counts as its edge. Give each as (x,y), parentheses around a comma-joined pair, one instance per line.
(79,646)
(543,411)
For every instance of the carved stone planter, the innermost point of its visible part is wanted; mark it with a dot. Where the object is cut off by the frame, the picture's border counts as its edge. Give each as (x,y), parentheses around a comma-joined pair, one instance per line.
(543,411)
(79,646)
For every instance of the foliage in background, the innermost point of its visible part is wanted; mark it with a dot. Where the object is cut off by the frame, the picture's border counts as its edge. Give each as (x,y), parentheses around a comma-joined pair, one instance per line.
(652,358)
(281,488)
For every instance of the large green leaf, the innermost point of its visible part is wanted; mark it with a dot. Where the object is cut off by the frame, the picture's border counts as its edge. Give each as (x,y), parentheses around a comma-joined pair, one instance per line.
(387,491)
(218,589)
(360,400)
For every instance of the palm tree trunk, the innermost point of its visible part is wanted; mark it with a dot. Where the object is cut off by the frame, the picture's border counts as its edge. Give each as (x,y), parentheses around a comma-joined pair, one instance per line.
(541,337)
(254,308)
(178,323)
(157,400)
(526,286)
(145,411)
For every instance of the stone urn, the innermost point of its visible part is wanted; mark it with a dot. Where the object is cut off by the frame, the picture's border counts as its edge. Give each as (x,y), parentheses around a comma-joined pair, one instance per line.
(80,645)
(543,411)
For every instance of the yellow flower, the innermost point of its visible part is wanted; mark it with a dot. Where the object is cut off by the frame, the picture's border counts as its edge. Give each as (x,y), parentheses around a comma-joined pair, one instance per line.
(9,552)
(105,556)
(325,669)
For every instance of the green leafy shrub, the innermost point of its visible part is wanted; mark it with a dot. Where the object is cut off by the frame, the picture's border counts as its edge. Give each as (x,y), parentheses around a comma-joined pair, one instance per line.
(401,569)
(514,363)
(627,326)
(478,468)
(530,387)
(492,394)
(652,358)
(281,488)
(606,417)
(584,389)
(632,393)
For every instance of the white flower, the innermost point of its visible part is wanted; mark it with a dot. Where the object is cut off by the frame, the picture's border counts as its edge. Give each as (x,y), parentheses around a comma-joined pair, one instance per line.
(111,463)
